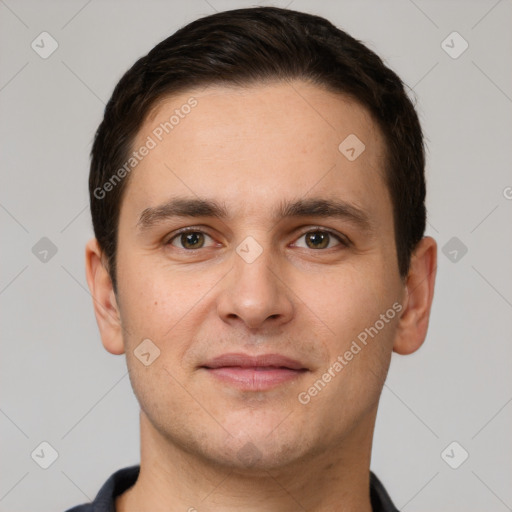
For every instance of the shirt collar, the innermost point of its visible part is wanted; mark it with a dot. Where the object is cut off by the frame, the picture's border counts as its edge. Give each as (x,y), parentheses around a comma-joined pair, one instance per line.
(123,479)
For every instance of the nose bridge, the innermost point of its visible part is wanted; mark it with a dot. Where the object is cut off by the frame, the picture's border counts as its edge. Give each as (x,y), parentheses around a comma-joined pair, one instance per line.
(255,292)
(253,262)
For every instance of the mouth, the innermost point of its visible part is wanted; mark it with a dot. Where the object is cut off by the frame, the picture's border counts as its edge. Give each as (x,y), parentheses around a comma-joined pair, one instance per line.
(254,373)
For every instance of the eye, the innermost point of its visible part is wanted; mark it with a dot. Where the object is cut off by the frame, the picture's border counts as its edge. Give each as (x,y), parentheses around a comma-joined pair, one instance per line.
(320,238)
(192,239)
(189,239)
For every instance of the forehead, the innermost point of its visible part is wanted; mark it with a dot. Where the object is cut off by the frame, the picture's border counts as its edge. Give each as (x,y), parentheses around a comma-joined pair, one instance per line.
(253,146)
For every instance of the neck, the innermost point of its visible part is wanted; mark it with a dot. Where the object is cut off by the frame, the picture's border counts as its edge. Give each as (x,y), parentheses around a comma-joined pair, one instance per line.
(172,478)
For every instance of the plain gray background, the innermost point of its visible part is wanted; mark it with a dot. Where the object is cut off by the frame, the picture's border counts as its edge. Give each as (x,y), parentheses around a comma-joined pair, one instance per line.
(58,383)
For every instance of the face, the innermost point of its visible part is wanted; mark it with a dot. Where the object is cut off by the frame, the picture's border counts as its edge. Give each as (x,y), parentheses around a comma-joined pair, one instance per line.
(258,313)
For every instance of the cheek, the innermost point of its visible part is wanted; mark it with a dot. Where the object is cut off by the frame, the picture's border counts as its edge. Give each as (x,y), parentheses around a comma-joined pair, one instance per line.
(154,297)
(351,306)
(167,306)
(348,301)
(359,340)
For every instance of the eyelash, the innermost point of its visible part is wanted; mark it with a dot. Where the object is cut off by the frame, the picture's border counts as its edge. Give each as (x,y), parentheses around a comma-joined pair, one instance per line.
(343,241)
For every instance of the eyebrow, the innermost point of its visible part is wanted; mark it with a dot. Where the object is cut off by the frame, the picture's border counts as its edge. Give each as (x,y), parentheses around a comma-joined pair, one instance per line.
(313,207)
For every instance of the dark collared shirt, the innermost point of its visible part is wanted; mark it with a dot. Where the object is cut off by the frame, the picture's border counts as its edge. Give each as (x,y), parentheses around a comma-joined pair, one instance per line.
(124,478)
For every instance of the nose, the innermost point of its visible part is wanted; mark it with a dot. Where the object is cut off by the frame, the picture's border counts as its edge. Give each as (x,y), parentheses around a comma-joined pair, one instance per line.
(256,294)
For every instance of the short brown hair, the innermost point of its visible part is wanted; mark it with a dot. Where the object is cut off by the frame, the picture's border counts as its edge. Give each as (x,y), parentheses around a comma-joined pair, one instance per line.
(250,46)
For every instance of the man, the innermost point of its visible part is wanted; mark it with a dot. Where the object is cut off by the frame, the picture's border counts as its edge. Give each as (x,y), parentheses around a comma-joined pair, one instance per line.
(258,199)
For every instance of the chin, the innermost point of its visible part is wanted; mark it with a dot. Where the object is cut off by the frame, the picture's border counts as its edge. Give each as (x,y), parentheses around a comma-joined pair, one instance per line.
(259,450)
(251,459)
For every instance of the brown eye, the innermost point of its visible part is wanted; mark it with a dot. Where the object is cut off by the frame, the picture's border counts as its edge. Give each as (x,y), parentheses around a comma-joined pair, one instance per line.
(320,239)
(189,240)
(317,240)
(192,240)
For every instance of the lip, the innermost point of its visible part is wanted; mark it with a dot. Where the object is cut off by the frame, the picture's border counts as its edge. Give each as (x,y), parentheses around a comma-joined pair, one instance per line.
(254,373)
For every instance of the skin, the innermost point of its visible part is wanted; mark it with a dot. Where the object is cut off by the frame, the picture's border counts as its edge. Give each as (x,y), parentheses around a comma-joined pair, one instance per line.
(251,148)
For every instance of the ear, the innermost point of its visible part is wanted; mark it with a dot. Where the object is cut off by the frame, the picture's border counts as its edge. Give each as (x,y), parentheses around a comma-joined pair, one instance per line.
(419,292)
(104,299)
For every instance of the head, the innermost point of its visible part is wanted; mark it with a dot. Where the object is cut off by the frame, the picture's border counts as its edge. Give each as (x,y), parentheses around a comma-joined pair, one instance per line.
(274,125)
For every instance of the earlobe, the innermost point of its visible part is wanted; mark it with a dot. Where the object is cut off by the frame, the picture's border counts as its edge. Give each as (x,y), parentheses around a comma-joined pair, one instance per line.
(413,323)
(104,300)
